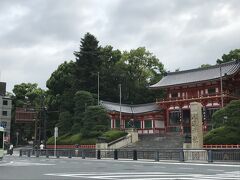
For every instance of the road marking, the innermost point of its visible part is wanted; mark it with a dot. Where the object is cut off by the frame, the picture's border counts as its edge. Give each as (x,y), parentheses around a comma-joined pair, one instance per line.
(218,170)
(21,163)
(171,163)
(147,175)
(186,168)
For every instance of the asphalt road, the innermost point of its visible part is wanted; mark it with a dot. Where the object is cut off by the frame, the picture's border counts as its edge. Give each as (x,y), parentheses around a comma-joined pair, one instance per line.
(13,167)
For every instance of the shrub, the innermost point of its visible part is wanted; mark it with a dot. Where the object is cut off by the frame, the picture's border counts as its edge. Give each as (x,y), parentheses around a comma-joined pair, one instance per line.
(88,141)
(223,135)
(75,139)
(113,135)
(72,139)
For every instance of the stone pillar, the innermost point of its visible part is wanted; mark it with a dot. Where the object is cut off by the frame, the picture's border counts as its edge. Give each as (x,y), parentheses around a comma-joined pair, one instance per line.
(196,125)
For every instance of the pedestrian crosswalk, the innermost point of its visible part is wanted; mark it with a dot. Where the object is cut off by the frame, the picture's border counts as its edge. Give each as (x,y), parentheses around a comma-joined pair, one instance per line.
(149,176)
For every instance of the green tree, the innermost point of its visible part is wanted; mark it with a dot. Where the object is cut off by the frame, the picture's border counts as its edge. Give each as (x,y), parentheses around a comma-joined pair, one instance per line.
(110,73)
(62,79)
(228,116)
(95,121)
(231,56)
(88,62)
(142,69)
(65,122)
(226,122)
(205,65)
(29,96)
(82,100)
(60,93)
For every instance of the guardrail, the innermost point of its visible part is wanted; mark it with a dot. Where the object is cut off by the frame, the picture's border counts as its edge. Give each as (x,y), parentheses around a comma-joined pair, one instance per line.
(72,146)
(182,155)
(216,146)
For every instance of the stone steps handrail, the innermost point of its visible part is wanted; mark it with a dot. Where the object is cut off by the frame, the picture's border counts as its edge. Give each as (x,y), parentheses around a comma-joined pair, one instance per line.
(119,139)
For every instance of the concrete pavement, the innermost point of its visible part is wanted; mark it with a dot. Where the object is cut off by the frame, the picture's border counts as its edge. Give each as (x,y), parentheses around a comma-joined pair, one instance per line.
(14,167)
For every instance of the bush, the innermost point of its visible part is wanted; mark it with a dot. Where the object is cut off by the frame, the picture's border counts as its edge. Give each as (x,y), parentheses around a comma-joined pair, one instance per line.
(75,139)
(113,135)
(223,135)
(87,140)
(68,139)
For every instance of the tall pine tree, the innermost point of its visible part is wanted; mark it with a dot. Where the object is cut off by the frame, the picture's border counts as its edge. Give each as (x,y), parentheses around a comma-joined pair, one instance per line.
(87,64)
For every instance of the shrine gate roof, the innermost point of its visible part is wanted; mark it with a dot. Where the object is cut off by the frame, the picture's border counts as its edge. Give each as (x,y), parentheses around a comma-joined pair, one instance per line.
(130,109)
(198,75)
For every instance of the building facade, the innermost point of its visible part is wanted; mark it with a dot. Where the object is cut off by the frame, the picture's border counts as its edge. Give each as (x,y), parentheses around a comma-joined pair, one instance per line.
(5,111)
(213,87)
(145,118)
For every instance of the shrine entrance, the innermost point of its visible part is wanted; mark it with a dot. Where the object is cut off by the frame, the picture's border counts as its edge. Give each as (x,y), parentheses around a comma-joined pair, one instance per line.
(186,121)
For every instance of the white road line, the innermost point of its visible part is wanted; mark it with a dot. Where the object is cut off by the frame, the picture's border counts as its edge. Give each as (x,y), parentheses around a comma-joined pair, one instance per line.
(186,168)
(218,170)
(171,163)
(19,163)
(148,176)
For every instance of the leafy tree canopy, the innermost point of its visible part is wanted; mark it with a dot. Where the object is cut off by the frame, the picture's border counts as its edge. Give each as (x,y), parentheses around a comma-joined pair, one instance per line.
(95,122)
(138,69)
(205,65)
(226,122)
(231,56)
(62,79)
(72,88)
(65,121)
(228,116)
(26,95)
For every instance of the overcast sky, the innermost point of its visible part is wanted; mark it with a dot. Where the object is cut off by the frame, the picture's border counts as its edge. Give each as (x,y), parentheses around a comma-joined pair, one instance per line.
(38,35)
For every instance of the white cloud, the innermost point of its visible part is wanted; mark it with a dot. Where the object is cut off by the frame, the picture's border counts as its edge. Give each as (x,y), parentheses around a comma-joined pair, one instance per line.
(37,36)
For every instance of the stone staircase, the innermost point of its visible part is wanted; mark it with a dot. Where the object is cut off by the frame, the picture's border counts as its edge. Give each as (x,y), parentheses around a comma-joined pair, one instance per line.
(155,141)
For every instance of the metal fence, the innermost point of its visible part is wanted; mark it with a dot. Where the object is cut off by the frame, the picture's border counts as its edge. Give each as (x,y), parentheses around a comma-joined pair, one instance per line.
(208,155)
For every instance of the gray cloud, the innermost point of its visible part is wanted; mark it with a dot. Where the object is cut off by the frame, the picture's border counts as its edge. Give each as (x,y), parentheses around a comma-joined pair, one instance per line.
(37,36)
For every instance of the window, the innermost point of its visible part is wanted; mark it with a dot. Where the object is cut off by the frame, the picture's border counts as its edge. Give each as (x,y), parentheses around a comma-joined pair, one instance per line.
(211,91)
(186,116)
(5,102)
(137,124)
(128,124)
(174,95)
(209,112)
(148,123)
(4,113)
(174,117)
(3,124)
(117,123)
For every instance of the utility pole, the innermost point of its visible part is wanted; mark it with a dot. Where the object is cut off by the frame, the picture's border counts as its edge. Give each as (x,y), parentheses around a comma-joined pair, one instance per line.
(98,89)
(45,125)
(120,100)
(221,84)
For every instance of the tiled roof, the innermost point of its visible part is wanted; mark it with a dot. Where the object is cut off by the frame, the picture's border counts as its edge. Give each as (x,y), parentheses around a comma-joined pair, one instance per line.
(130,109)
(198,75)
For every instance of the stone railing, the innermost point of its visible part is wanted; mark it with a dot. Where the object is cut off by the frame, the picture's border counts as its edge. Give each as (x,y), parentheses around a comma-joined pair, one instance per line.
(132,137)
